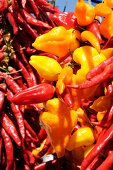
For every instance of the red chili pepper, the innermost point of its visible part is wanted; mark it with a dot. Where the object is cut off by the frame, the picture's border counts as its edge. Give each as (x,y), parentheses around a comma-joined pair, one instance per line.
(108,135)
(31,157)
(2,96)
(94,164)
(94,28)
(18,115)
(66,19)
(107,163)
(3,5)
(45,148)
(24,70)
(41,166)
(10,129)
(13,86)
(9,149)
(42,134)
(26,26)
(36,94)
(26,167)
(1,147)
(108,44)
(98,69)
(30,129)
(34,7)
(33,21)
(25,61)
(18,78)
(12,22)
(101,77)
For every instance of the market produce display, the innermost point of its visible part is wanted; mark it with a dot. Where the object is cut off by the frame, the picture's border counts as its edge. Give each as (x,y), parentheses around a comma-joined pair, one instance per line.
(56,86)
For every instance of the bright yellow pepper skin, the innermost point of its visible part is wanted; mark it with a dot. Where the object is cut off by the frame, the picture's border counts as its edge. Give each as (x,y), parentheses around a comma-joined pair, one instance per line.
(89,36)
(81,137)
(58,41)
(108,52)
(58,122)
(88,16)
(64,78)
(48,68)
(106,26)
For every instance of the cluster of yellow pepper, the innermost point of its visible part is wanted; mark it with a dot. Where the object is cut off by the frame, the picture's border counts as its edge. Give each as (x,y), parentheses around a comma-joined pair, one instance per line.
(58,119)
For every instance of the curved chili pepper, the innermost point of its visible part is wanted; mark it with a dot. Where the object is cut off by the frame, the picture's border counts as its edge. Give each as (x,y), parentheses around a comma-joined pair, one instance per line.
(12,22)
(36,94)
(42,134)
(8,148)
(33,21)
(41,166)
(34,7)
(98,69)
(94,28)
(2,96)
(18,115)
(98,147)
(107,163)
(10,129)
(109,43)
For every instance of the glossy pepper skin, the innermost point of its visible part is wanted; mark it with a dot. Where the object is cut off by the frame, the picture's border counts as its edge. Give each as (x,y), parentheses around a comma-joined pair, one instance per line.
(48,68)
(58,121)
(89,13)
(58,41)
(65,19)
(36,94)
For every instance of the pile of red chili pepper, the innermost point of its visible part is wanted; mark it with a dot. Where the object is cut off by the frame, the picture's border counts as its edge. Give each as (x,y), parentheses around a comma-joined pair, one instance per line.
(56,86)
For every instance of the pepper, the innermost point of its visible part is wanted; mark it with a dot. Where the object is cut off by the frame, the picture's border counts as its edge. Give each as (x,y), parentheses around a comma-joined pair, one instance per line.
(61,40)
(89,13)
(109,3)
(81,137)
(48,68)
(64,78)
(94,28)
(36,94)
(102,10)
(89,36)
(65,19)
(106,26)
(58,121)
(3,5)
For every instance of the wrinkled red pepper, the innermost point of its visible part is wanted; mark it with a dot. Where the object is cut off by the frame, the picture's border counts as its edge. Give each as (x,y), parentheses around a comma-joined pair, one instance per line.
(36,94)
(66,19)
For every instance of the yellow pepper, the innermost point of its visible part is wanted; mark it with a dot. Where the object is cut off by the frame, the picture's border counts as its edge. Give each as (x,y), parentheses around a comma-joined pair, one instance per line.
(100,115)
(58,41)
(102,10)
(108,52)
(58,122)
(48,68)
(84,12)
(106,26)
(81,137)
(88,149)
(89,36)
(64,78)
(88,57)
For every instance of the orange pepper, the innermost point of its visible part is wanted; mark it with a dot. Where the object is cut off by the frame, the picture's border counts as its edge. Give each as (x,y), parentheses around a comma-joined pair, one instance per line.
(109,3)
(102,10)
(64,78)
(106,26)
(89,36)
(84,12)
(108,52)
(58,121)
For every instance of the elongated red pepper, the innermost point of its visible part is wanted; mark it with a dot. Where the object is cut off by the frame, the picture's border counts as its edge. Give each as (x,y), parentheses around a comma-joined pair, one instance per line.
(42,134)
(9,149)
(107,163)
(3,5)
(33,21)
(98,69)
(36,94)
(94,28)
(12,22)
(17,113)
(2,96)
(66,19)
(108,44)
(10,129)
(1,146)
(34,7)
(98,147)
